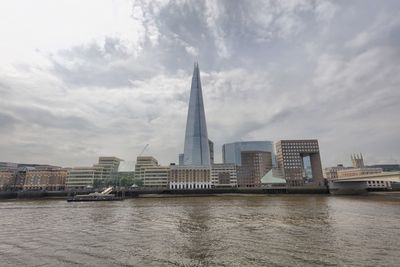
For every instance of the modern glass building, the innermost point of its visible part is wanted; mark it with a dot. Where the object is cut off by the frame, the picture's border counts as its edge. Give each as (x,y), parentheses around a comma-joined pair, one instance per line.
(196,149)
(231,152)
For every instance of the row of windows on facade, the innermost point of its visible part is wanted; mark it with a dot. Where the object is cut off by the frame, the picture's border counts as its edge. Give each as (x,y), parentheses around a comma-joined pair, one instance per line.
(378,183)
(301,144)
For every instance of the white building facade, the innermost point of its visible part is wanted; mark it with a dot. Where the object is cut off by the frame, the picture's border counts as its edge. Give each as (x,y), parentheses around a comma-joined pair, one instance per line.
(189,177)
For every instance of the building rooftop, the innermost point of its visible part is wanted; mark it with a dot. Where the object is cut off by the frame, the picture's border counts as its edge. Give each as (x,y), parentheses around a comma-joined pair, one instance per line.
(270,178)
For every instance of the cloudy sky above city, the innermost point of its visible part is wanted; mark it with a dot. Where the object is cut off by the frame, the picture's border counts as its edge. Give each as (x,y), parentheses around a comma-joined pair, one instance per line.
(80,79)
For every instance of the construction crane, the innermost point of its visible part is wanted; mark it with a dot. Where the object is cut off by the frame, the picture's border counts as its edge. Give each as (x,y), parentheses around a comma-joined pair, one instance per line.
(145,147)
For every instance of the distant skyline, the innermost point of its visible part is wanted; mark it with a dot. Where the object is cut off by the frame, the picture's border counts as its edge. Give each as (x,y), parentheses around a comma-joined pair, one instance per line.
(82,79)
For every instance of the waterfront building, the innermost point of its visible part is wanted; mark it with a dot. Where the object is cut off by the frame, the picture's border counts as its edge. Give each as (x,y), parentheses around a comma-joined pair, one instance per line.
(350,172)
(358,169)
(8,166)
(300,161)
(156,176)
(189,177)
(387,167)
(106,170)
(273,178)
(224,175)
(331,172)
(211,147)
(83,177)
(194,169)
(180,161)
(51,179)
(20,177)
(143,162)
(196,147)
(150,173)
(110,167)
(7,179)
(231,152)
(254,165)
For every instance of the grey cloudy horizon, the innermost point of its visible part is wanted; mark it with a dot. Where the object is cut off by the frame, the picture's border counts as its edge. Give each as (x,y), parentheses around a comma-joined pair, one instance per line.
(82,79)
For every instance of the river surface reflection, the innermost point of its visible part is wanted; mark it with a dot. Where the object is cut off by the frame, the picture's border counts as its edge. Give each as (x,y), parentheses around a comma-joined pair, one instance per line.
(301,230)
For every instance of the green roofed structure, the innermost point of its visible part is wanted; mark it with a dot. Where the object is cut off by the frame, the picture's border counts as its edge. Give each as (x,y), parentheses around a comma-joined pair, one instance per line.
(272,179)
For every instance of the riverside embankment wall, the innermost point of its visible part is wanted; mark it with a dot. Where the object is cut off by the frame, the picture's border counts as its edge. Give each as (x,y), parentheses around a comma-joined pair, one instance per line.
(163,191)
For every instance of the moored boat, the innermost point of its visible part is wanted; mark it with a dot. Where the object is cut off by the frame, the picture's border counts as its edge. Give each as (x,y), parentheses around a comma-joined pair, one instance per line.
(96,196)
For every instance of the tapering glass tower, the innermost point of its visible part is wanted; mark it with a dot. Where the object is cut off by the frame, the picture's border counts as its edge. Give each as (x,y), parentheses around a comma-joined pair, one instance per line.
(196,150)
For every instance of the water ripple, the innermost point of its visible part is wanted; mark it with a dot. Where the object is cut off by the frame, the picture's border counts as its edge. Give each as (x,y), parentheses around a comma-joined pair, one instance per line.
(202,231)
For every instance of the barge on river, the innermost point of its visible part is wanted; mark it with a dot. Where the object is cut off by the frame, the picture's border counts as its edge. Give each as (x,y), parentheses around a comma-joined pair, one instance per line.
(96,196)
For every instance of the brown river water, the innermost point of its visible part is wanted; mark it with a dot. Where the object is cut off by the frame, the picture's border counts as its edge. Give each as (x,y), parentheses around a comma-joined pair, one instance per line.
(225,230)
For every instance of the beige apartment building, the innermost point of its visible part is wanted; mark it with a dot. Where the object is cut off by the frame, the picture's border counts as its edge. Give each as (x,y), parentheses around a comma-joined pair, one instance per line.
(156,176)
(87,177)
(358,169)
(45,179)
(7,179)
(83,177)
(351,172)
(151,173)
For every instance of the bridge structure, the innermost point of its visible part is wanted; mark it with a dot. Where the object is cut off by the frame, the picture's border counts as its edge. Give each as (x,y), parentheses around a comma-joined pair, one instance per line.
(362,183)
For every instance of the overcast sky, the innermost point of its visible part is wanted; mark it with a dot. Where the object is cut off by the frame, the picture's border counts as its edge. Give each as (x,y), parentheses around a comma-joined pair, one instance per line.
(80,79)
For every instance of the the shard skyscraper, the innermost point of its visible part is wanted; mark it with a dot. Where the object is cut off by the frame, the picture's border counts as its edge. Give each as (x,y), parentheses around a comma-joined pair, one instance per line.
(196,150)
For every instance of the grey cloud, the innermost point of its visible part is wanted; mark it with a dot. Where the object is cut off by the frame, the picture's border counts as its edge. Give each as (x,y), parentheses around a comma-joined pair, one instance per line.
(7,122)
(107,65)
(48,119)
(270,70)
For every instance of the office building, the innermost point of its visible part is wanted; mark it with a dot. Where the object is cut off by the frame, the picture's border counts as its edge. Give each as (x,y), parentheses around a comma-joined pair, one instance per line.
(223,175)
(300,161)
(387,167)
(254,165)
(143,162)
(105,171)
(7,179)
(150,173)
(180,161)
(332,172)
(8,166)
(211,148)
(109,165)
(196,147)
(358,169)
(189,177)
(84,177)
(156,176)
(350,172)
(194,169)
(231,152)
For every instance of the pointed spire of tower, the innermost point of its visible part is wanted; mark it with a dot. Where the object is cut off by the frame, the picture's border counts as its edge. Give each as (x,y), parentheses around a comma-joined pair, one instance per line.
(196,150)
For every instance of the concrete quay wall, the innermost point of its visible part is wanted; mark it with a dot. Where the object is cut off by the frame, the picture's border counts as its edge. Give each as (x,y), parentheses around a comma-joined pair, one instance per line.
(165,191)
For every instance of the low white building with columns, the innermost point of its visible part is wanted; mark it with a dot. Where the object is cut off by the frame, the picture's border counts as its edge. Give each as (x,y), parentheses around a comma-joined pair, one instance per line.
(189,177)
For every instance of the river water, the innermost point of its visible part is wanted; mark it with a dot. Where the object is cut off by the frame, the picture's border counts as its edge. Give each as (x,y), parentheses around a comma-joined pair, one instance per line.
(253,230)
